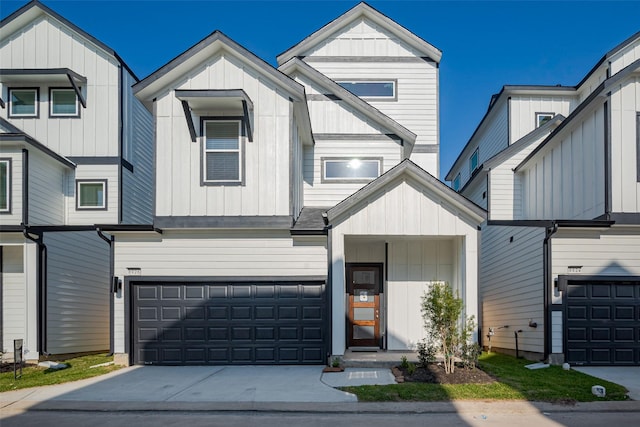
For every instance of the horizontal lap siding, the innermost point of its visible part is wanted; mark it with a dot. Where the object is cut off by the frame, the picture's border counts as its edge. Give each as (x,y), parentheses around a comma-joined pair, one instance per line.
(47,179)
(14,298)
(511,285)
(46,43)
(226,253)
(625,105)
(318,193)
(266,190)
(78,292)
(477,192)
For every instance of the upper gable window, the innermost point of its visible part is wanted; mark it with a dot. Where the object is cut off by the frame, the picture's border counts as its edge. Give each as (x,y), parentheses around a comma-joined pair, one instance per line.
(350,169)
(473,161)
(542,118)
(370,88)
(63,103)
(23,102)
(222,151)
(456,183)
(91,195)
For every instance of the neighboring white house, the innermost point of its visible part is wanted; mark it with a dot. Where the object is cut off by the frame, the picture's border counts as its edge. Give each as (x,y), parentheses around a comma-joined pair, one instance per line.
(560,253)
(76,150)
(290,222)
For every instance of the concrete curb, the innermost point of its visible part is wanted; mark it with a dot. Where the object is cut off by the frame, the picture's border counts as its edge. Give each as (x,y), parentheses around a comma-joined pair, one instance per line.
(484,407)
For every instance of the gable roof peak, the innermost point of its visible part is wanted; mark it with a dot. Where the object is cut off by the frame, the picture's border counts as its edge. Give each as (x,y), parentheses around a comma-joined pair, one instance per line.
(362,9)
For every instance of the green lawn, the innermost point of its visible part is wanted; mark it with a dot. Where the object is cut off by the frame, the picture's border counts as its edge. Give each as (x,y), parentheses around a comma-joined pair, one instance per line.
(79,368)
(514,381)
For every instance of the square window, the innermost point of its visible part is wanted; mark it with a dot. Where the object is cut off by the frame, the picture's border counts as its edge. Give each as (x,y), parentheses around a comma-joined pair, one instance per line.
(23,102)
(350,169)
(542,118)
(5,185)
(473,162)
(91,195)
(371,89)
(63,103)
(222,151)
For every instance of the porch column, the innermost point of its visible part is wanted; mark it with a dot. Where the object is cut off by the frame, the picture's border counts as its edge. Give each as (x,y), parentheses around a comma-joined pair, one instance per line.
(338,291)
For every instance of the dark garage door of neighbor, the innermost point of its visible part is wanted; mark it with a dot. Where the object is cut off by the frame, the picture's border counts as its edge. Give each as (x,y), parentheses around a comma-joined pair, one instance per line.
(267,322)
(602,322)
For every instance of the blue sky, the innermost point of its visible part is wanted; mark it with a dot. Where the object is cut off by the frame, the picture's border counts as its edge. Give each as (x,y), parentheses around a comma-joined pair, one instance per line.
(485,44)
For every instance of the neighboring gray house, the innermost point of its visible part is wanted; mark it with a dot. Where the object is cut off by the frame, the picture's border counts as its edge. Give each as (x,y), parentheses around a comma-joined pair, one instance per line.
(76,150)
(291,222)
(558,170)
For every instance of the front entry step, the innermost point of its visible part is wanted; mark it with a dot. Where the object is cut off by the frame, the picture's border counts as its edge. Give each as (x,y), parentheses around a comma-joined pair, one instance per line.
(357,358)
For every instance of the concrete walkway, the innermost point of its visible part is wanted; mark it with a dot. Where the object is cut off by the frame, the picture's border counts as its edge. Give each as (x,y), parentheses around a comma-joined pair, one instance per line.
(358,377)
(627,376)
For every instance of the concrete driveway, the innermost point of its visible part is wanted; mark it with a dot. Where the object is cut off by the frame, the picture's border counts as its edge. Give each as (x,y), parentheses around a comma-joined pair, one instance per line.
(627,376)
(192,384)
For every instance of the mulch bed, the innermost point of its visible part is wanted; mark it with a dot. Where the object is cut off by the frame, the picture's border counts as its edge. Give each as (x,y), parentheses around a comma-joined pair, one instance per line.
(434,373)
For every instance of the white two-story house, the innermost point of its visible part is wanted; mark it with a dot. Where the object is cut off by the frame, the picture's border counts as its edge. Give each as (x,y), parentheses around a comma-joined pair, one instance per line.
(296,212)
(75,151)
(557,170)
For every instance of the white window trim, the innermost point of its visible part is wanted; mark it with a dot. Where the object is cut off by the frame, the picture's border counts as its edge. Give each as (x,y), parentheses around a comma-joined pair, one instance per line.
(326,160)
(7,161)
(239,150)
(79,183)
(36,113)
(394,83)
(541,115)
(51,113)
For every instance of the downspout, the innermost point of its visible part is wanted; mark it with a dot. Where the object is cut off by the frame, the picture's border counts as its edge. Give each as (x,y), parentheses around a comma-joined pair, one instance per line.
(120,141)
(329,286)
(546,291)
(110,241)
(25,186)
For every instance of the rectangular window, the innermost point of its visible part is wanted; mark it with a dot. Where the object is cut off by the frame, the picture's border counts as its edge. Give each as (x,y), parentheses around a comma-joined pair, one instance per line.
(63,103)
(23,102)
(473,161)
(351,169)
(638,145)
(371,89)
(222,151)
(456,182)
(91,195)
(5,185)
(542,118)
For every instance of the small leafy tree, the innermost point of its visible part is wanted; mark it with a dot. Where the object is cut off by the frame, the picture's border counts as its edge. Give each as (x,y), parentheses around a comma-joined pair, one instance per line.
(441,311)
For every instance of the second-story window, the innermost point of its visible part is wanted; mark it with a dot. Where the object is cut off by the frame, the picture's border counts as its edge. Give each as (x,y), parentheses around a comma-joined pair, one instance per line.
(23,102)
(63,103)
(5,185)
(542,118)
(350,169)
(91,195)
(473,162)
(456,183)
(371,89)
(222,151)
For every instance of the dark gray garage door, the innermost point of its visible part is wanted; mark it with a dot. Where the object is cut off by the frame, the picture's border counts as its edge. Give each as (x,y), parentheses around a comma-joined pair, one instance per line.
(602,321)
(229,323)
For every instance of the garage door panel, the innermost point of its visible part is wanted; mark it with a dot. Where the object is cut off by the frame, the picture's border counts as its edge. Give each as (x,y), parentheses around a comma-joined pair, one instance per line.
(602,322)
(226,323)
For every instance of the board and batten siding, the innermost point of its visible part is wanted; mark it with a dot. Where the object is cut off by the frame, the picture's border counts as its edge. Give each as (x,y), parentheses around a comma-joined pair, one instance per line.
(266,160)
(624,107)
(625,56)
(567,181)
(319,193)
(78,292)
(614,252)
(89,216)
(47,43)
(47,181)
(523,111)
(413,266)
(222,253)
(511,286)
(137,186)
(14,296)
(14,217)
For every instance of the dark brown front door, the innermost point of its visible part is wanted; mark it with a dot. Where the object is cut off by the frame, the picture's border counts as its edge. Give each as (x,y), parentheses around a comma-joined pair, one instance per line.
(363,286)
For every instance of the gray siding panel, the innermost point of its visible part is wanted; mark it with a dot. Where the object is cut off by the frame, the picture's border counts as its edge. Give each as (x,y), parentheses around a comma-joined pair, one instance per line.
(13,297)
(511,285)
(77,292)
